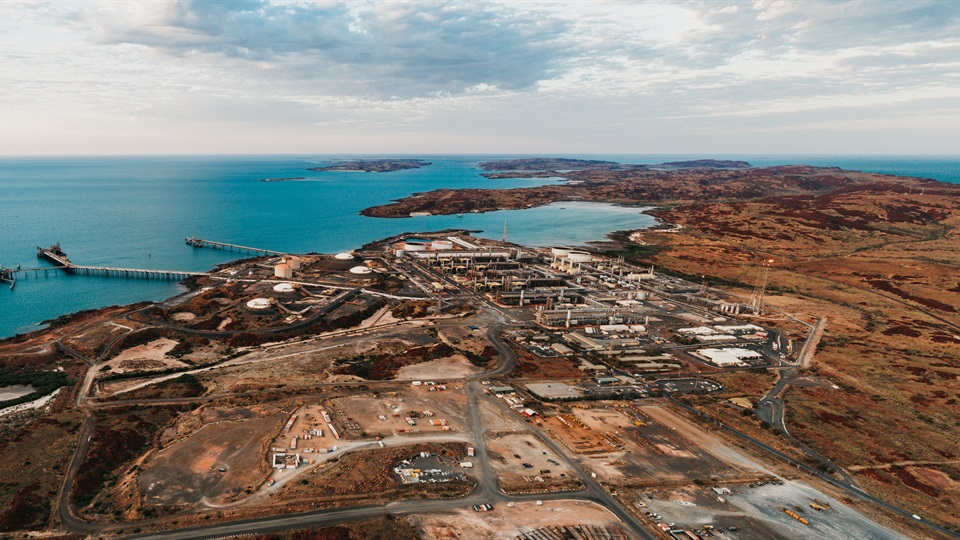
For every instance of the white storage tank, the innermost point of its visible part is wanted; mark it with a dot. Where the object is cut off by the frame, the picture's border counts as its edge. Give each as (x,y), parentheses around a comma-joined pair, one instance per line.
(283,270)
(414,246)
(579,256)
(283,287)
(293,262)
(359,270)
(344,256)
(442,245)
(560,251)
(259,303)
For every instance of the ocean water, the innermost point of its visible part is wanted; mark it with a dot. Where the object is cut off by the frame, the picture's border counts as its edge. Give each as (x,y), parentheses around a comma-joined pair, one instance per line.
(136,211)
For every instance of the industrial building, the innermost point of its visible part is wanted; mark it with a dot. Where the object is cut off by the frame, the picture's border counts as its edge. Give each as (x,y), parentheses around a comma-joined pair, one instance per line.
(728,357)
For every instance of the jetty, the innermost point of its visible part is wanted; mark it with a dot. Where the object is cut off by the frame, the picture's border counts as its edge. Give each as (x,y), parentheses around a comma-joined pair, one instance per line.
(55,255)
(135,272)
(200,242)
(63,263)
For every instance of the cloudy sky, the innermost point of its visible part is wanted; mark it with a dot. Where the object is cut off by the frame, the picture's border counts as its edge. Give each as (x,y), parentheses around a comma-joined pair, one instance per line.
(249,76)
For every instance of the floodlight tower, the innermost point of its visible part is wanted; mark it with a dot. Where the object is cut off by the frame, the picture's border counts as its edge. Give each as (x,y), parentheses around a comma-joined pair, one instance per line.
(756,300)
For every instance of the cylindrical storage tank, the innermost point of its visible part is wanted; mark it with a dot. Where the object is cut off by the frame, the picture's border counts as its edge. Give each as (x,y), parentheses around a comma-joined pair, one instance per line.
(344,256)
(442,245)
(560,252)
(294,262)
(413,246)
(579,256)
(259,303)
(283,270)
(359,270)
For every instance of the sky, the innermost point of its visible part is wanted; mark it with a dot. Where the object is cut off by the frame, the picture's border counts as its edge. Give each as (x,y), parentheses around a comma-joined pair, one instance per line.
(517,77)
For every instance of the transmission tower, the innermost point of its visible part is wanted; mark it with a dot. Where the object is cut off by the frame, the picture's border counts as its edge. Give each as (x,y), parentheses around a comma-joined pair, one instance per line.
(756,300)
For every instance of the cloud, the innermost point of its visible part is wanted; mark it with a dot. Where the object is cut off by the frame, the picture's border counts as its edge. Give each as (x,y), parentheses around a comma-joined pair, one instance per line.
(384,50)
(600,75)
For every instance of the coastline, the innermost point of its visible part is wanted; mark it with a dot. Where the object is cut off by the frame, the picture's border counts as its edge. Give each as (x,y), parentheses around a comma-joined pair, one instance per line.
(36,301)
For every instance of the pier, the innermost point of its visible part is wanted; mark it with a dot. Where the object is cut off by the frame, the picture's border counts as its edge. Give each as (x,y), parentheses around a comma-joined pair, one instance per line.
(63,264)
(200,242)
(135,272)
(55,255)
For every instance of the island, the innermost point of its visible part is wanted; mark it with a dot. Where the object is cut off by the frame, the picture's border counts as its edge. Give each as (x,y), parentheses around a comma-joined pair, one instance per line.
(703,164)
(374,165)
(783,345)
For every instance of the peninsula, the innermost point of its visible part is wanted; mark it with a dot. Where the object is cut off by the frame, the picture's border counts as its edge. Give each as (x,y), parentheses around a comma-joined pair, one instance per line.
(374,165)
(641,186)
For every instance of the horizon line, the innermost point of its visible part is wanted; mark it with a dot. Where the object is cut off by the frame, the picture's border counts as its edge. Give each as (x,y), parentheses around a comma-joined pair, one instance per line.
(505,154)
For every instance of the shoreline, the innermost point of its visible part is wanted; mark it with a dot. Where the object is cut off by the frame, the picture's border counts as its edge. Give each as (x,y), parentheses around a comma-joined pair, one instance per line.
(192,287)
(550,194)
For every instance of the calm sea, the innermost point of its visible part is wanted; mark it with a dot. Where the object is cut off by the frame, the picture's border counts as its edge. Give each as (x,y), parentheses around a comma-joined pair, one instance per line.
(135,212)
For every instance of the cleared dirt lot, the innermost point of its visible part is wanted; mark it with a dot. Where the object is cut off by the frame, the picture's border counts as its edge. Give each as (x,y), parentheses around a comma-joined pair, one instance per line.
(147,357)
(453,367)
(758,514)
(188,471)
(705,442)
(505,523)
(361,414)
(577,436)
(524,464)
(648,445)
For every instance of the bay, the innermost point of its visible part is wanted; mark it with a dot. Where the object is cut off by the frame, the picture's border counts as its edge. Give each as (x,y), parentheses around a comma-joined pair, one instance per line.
(136,211)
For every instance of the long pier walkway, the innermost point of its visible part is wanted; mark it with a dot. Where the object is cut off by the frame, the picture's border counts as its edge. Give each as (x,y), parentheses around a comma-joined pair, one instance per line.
(200,242)
(63,264)
(134,272)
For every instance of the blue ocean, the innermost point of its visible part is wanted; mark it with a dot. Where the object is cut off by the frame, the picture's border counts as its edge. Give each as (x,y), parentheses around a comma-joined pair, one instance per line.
(135,212)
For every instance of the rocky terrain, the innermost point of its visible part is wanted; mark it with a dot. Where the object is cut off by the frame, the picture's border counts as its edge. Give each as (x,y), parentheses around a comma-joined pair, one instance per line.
(879,262)
(645,187)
